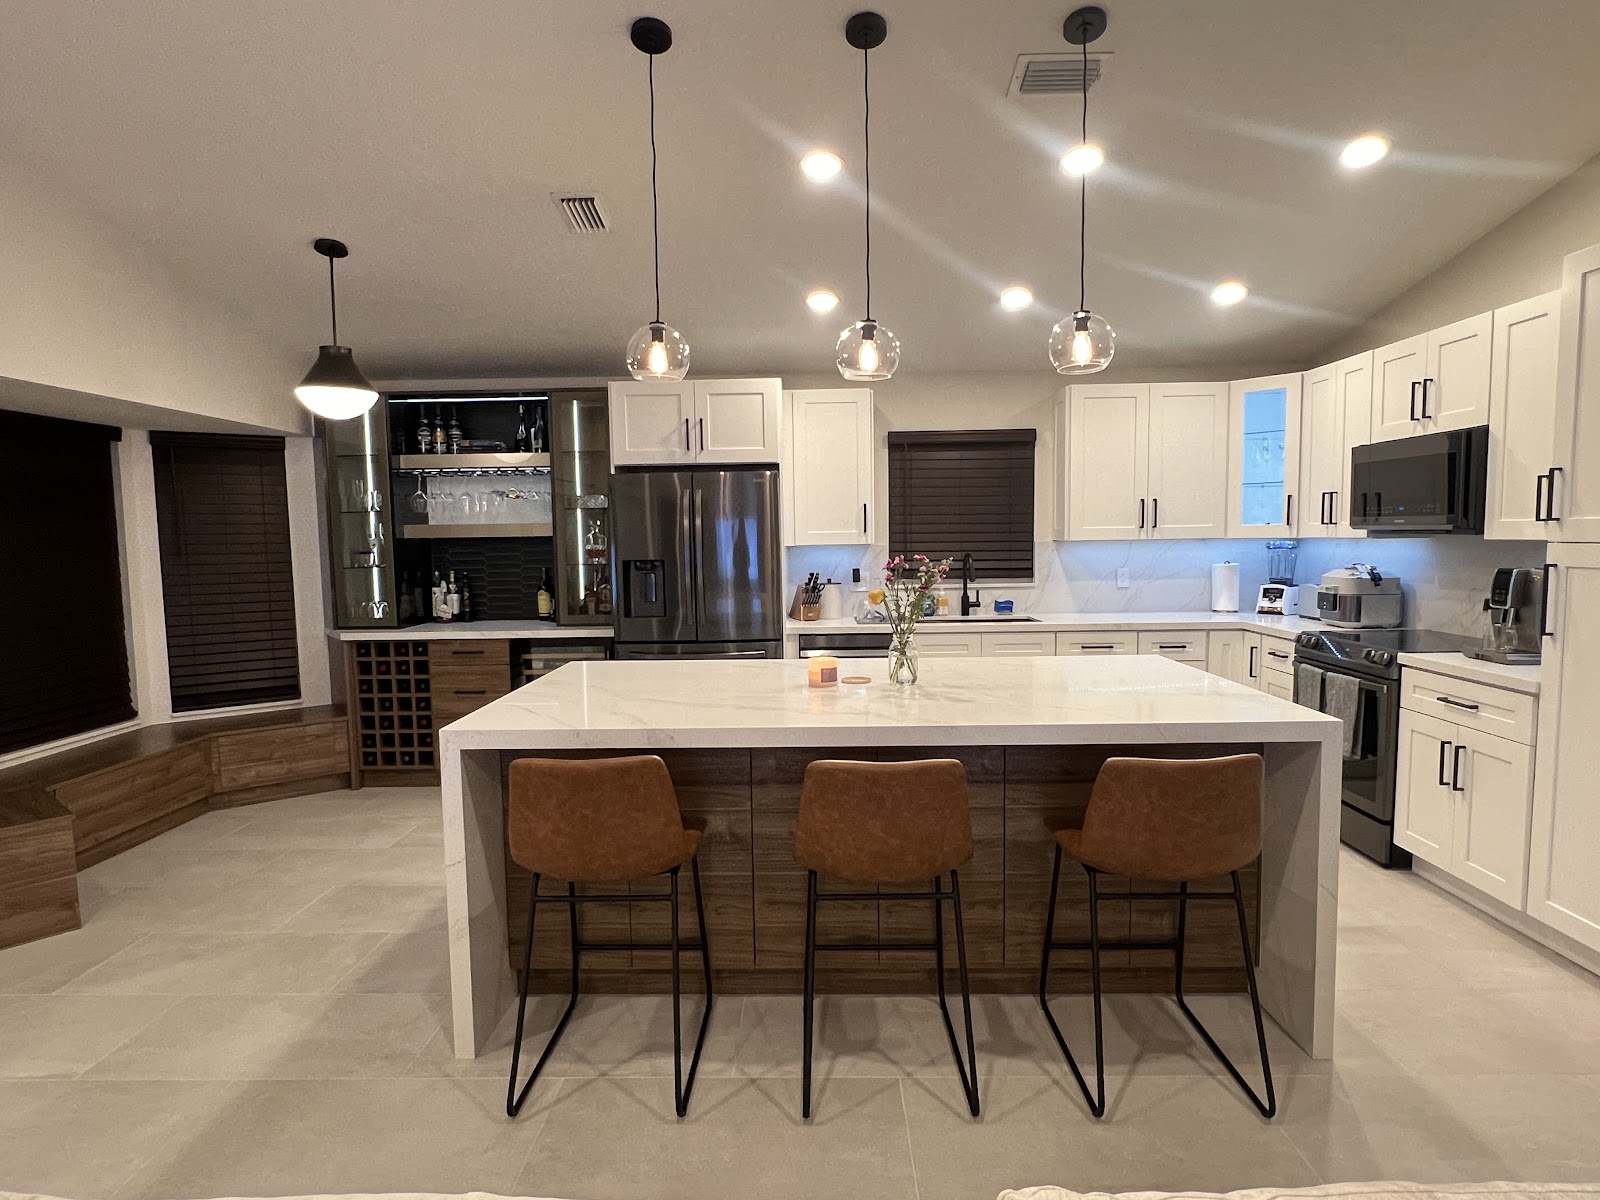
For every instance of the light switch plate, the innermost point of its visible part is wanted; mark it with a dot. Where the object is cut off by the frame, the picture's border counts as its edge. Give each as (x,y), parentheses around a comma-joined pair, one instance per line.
(1122,577)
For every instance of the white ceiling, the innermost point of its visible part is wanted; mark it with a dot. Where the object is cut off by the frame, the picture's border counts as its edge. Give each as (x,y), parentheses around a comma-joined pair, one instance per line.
(430,137)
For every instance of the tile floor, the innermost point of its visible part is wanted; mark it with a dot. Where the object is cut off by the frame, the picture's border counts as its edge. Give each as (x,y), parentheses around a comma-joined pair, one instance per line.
(257,1005)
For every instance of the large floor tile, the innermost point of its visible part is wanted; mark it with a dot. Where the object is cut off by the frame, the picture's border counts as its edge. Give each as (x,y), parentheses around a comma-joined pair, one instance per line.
(618,1139)
(60,1036)
(155,864)
(415,961)
(344,1036)
(1161,1132)
(375,908)
(190,964)
(51,962)
(255,904)
(403,865)
(370,1135)
(1454,1032)
(77,1138)
(362,830)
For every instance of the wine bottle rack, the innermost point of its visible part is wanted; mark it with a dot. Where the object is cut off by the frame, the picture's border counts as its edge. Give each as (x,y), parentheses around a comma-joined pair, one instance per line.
(393,705)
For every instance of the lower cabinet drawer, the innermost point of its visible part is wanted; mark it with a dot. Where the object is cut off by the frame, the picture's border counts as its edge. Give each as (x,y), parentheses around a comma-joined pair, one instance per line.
(484,652)
(1469,704)
(1277,655)
(1122,642)
(451,704)
(950,645)
(1181,645)
(1276,682)
(998,645)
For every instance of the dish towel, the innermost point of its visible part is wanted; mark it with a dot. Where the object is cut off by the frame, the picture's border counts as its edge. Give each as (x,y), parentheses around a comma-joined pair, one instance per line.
(1342,699)
(1308,685)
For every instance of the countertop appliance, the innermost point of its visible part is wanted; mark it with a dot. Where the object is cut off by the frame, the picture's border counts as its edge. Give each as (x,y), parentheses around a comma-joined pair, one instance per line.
(1279,596)
(1369,658)
(1432,483)
(700,564)
(1360,597)
(1515,606)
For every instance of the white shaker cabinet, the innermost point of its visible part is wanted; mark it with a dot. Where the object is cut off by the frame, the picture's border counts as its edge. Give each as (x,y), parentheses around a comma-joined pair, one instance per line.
(1336,415)
(1433,382)
(1575,470)
(1564,854)
(737,421)
(652,423)
(1187,441)
(1264,456)
(1226,655)
(1423,801)
(829,471)
(1522,417)
(712,422)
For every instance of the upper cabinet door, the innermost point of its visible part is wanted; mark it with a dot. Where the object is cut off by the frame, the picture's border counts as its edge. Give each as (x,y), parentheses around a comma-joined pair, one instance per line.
(736,420)
(1264,457)
(1188,445)
(1522,416)
(1321,446)
(651,423)
(1397,373)
(1577,425)
(830,468)
(1107,462)
(1352,380)
(1455,387)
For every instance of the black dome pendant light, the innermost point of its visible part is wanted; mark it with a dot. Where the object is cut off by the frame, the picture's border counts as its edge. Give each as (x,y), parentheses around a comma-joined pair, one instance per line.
(656,351)
(335,388)
(1084,343)
(866,350)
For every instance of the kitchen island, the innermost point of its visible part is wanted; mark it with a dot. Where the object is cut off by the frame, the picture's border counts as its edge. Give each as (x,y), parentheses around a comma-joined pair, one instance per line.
(1032,733)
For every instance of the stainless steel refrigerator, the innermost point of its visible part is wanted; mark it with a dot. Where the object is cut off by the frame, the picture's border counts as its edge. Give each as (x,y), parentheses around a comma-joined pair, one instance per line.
(699,560)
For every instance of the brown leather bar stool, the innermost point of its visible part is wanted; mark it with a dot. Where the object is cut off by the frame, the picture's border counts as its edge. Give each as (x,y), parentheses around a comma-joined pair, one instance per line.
(886,824)
(608,820)
(1174,821)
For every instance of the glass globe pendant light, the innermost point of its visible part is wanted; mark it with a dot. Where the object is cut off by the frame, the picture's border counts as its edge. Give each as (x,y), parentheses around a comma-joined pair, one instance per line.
(657,350)
(335,388)
(866,350)
(1083,343)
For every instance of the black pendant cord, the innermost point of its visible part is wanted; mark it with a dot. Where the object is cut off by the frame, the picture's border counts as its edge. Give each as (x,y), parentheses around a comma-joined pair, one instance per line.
(333,303)
(655,204)
(866,164)
(1083,189)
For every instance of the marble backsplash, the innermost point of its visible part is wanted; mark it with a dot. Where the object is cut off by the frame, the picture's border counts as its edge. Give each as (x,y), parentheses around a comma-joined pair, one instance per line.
(1445,578)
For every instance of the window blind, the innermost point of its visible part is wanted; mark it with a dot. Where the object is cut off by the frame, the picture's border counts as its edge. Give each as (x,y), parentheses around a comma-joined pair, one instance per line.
(956,492)
(65,649)
(222,508)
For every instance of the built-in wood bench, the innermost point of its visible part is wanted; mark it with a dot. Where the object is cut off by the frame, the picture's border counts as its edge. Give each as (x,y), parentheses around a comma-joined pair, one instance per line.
(70,810)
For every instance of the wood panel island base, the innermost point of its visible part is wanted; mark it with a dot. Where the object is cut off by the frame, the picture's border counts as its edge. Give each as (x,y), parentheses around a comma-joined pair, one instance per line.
(1031,732)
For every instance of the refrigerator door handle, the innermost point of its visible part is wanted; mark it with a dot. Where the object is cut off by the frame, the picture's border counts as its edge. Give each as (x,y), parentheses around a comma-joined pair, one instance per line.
(699,567)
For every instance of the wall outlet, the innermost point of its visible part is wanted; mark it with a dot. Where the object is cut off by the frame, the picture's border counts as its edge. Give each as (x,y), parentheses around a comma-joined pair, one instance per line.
(1122,577)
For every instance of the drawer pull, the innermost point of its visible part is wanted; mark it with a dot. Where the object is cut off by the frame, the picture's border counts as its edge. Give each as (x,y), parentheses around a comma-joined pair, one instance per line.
(1276,654)
(1097,645)
(1172,645)
(1457,703)
(467,653)
(470,692)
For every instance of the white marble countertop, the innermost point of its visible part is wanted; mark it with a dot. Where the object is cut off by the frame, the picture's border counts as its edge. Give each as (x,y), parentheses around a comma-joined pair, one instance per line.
(1071,622)
(988,701)
(469,630)
(1474,670)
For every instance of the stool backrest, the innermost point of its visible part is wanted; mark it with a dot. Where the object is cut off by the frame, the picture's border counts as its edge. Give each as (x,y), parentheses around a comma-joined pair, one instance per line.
(899,822)
(1175,819)
(593,820)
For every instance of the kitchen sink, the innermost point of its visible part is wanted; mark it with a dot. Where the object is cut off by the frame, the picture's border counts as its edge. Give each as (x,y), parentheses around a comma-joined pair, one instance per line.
(955,620)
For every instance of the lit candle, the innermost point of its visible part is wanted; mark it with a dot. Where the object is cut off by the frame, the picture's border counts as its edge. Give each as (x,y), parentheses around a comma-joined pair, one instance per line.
(822,671)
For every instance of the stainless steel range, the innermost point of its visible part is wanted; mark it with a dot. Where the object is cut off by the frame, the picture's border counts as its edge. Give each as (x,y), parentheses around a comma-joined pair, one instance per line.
(1354,674)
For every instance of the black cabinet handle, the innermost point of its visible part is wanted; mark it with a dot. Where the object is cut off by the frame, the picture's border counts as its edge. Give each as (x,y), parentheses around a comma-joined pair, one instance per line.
(1097,645)
(1172,645)
(1444,753)
(1425,384)
(470,691)
(1276,654)
(1538,497)
(1456,703)
(1288,509)
(1141,514)
(1250,671)
(863,517)
(1455,771)
(1333,507)
(1550,496)
(1544,603)
(1415,384)
(467,653)
(1155,513)
(702,433)
(686,445)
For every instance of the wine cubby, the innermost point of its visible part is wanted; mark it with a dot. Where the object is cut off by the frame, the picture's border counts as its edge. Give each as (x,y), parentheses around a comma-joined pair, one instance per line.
(393,705)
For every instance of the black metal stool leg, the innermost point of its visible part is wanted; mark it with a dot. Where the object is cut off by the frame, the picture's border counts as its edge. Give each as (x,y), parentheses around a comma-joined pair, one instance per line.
(1269,1107)
(682,1096)
(968,1070)
(514,1098)
(1097,1099)
(677,1003)
(808,991)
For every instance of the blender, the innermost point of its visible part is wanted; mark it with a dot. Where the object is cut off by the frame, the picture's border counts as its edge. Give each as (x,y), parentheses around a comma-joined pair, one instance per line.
(1279,596)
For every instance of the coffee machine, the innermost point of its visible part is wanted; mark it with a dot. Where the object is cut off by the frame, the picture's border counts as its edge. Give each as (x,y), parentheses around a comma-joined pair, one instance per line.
(1515,606)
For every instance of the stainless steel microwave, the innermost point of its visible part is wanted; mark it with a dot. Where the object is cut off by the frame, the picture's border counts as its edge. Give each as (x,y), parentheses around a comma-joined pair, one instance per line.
(1432,483)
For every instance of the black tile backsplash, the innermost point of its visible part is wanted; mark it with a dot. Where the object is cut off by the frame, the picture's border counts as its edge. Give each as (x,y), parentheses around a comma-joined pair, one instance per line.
(504,573)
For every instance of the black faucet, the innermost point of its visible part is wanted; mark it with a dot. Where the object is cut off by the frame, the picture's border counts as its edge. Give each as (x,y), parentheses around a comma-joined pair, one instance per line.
(972,602)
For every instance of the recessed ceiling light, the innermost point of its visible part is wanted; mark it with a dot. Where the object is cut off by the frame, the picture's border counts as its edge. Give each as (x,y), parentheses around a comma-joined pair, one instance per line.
(1364,151)
(1229,292)
(1081,160)
(822,301)
(1015,299)
(821,165)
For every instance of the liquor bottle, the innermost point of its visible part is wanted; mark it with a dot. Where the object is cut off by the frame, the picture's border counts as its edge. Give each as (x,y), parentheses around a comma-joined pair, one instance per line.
(438,432)
(433,596)
(466,599)
(405,596)
(453,594)
(544,600)
(541,442)
(419,602)
(424,433)
(522,428)
(454,433)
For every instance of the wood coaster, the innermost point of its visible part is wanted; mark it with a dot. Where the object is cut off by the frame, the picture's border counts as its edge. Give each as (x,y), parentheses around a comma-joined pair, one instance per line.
(856,679)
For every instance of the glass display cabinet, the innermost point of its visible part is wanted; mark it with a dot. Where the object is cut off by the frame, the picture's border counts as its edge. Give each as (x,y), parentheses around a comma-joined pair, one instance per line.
(580,467)
(359,532)
(1265,461)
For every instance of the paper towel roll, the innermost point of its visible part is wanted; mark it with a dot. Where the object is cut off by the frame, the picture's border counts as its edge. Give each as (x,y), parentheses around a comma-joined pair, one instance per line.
(1225,587)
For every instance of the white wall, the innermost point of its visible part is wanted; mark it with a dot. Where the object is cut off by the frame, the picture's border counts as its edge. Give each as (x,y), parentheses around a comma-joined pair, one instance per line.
(1518,258)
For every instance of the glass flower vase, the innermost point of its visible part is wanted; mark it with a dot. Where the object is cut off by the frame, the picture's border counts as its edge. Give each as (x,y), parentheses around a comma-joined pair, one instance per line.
(902,659)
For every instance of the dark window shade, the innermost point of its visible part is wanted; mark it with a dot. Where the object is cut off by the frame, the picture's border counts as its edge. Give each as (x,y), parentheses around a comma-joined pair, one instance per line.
(222,506)
(962,492)
(65,653)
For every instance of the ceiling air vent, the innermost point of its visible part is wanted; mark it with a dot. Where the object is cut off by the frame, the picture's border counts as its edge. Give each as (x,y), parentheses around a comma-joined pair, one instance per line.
(584,213)
(1054,74)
